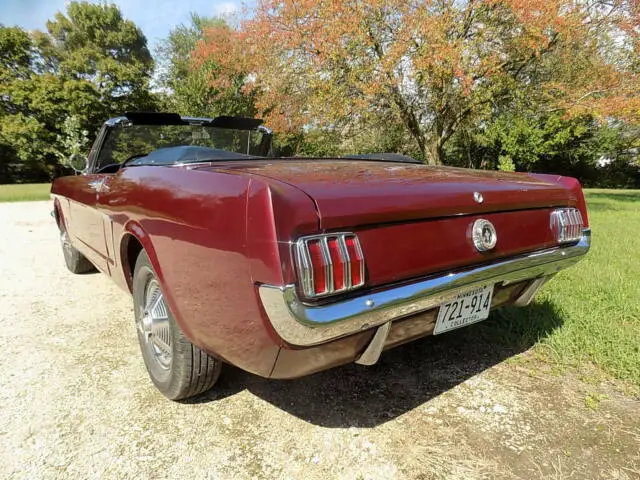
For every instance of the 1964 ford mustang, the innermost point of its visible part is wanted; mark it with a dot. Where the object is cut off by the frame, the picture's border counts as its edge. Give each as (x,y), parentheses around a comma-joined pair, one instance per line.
(288,266)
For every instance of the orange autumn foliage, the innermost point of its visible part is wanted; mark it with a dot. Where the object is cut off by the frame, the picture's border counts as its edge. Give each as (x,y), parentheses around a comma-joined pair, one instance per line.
(429,65)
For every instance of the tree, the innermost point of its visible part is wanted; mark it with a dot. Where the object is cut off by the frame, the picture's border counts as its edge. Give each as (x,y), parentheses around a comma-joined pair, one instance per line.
(94,43)
(599,153)
(431,66)
(16,51)
(523,139)
(73,140)
(91,64)
(188,80)
(20,135)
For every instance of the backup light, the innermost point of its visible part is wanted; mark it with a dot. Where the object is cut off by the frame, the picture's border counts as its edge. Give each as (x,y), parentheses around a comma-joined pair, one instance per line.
(567,224)
(329,264)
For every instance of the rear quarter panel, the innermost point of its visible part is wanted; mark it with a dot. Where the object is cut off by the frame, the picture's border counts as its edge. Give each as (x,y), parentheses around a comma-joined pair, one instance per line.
(207,252)
(574,186)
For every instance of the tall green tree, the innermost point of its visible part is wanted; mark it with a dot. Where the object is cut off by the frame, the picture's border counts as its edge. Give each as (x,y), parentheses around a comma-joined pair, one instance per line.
(95,43)
(188,81)
(16,53)
(23,138)
(90,64)
(527,139)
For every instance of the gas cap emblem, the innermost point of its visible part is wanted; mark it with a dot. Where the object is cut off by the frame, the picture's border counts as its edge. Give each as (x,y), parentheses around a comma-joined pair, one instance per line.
(477,196)
(484,235)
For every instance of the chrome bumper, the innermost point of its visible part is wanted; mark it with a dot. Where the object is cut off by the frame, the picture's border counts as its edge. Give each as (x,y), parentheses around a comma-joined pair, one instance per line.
(306,325)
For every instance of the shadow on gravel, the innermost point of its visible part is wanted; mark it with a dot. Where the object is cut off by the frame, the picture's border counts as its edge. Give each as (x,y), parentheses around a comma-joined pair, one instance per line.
(404,378)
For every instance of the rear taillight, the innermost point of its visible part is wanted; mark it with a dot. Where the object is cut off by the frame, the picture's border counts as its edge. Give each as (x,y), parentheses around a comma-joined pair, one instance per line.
(329,264)
(567,224)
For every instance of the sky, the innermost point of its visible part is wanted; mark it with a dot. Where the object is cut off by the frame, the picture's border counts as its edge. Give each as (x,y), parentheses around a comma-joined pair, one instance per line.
(154,17)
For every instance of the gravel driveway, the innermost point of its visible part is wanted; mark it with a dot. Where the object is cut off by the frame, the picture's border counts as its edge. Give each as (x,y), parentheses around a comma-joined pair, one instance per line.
(76,401)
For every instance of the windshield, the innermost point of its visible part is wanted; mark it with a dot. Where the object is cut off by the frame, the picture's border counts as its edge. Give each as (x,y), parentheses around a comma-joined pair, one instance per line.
(171,144)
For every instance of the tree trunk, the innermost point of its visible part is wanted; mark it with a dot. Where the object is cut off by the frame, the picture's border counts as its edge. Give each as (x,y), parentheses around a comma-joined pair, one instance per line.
(436,152)
(422,145)
(436,142)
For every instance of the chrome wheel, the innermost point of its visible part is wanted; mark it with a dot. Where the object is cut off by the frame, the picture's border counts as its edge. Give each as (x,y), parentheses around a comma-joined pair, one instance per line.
(66,244)
(75,261)
(176,366)
(154,327)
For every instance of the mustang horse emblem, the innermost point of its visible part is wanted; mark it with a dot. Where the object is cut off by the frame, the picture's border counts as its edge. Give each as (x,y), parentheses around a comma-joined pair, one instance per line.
(484,235)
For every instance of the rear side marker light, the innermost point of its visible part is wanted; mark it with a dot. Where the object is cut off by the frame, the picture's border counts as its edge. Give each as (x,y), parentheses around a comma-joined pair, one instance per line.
(567,224)
(329,264)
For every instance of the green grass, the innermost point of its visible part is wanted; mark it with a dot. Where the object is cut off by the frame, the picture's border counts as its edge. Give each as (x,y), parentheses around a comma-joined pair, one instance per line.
(590,313)
(24,192)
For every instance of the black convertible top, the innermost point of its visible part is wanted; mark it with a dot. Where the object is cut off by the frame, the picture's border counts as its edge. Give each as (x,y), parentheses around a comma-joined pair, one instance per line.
(384,157)
(167,118)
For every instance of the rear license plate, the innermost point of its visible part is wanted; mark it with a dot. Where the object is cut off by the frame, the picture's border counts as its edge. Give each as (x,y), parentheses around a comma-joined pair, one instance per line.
(467,308)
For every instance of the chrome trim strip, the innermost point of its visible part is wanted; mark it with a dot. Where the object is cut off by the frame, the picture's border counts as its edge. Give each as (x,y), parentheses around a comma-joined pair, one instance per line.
(328,266)
(360,259)
(306,325)
(346,265)
(305,273)
(371,355)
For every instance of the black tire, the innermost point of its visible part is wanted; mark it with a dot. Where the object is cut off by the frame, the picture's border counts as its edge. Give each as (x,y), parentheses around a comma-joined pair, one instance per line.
(177,368)
(75,261)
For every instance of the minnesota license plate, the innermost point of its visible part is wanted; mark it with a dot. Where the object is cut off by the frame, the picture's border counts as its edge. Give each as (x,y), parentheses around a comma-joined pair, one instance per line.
(467,308)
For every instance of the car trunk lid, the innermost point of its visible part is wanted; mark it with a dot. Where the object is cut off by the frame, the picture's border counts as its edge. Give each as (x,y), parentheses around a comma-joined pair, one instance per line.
(351,193)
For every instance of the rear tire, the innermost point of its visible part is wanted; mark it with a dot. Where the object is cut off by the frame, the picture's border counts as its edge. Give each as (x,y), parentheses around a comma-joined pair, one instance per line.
(177,368)
(75,261)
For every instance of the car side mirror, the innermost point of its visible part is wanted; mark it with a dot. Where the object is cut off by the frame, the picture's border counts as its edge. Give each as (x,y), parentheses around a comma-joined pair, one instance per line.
(78,162)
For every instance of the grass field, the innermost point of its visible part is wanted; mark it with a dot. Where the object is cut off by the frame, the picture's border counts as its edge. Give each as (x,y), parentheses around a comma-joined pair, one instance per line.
(24,192)
(590,313)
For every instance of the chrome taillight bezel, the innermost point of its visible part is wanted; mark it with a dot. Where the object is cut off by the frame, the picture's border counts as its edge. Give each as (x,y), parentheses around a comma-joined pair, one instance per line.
(566,224)
(305,267)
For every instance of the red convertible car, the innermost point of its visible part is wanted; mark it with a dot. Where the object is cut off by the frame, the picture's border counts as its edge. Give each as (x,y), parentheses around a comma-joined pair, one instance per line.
(288,266)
